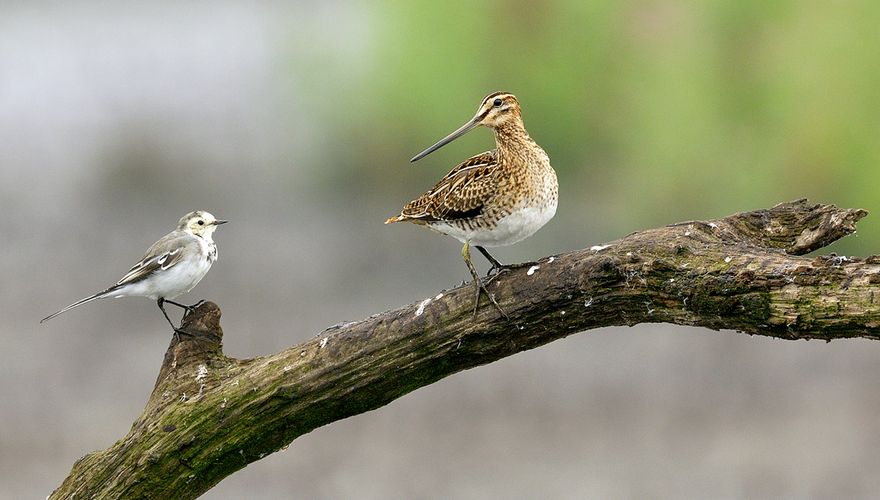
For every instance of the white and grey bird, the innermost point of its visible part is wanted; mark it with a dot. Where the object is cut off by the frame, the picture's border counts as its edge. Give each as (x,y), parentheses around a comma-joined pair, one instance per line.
(172,266)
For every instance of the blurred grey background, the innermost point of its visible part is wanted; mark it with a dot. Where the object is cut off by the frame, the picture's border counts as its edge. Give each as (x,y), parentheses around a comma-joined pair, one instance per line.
(296,122)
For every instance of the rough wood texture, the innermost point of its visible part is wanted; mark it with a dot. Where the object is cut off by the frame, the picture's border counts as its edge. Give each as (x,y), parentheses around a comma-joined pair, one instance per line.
(210,415)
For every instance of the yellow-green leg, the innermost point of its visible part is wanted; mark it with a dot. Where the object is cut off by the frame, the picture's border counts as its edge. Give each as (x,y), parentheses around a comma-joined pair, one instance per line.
(478,283)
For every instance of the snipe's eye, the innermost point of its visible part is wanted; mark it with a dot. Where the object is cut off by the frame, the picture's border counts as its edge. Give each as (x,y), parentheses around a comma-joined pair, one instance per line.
(497,102)
(201,222)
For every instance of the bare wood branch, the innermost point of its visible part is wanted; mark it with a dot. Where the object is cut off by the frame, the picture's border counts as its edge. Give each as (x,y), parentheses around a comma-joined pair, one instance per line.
(210,415)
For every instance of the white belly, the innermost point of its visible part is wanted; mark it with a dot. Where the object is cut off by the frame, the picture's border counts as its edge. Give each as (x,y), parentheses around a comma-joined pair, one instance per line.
(180,279)
(517,226)
(175,281)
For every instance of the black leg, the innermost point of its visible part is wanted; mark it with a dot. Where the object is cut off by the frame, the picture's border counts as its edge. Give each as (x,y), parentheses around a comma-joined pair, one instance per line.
(161,303)
(183,306)
(177,331)
(497,267)
(478,283)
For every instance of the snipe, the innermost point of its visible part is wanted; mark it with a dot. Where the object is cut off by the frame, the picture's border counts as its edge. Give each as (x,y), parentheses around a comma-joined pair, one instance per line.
(493,199)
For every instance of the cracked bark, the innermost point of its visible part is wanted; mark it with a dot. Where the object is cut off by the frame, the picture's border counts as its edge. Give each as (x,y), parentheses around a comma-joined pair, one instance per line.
(210,415)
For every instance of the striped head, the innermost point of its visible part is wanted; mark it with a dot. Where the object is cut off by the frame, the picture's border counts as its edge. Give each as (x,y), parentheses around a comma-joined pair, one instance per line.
(497,110)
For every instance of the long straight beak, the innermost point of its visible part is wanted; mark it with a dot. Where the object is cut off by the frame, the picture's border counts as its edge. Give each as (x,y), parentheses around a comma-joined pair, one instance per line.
(449,138)
(218,222)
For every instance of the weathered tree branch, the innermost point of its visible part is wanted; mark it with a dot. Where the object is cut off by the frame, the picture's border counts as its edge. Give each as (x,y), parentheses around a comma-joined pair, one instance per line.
(210,415)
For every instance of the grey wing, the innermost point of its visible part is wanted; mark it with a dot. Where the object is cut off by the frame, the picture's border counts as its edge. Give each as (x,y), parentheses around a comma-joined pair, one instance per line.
(164,254)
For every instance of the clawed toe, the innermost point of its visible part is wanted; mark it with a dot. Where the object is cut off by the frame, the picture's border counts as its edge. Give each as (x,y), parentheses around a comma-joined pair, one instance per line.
(497,270)
(180,331)
(520,265)
(481,287)
(193,307)
(490,276)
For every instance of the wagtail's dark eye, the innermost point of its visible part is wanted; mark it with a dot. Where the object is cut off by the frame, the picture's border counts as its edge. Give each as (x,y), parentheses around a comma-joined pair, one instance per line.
(497,102)
(201,223)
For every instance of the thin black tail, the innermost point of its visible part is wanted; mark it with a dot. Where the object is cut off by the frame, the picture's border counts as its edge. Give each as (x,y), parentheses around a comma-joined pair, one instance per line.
(99,295)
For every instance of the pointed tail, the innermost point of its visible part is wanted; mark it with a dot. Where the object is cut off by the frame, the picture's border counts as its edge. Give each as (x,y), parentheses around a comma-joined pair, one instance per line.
(99,295)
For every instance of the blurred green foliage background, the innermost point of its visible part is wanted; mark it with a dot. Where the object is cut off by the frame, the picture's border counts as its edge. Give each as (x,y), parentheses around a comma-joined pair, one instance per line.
(296,120)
